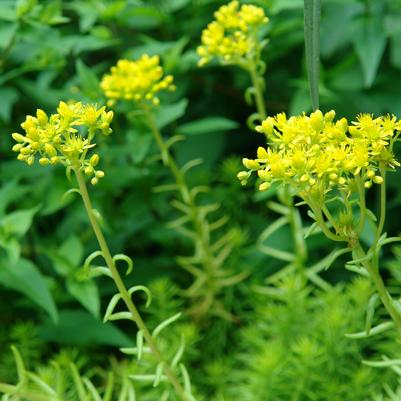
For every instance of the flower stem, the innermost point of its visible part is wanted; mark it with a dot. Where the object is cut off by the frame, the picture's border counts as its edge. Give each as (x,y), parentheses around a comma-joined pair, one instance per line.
(385,297)
(260,102)
(202,241)
(136,317)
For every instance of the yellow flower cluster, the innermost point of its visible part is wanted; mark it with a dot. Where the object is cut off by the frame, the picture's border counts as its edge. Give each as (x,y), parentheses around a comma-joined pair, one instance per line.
(138,80)
(59,138)
(233,36)
(315,154)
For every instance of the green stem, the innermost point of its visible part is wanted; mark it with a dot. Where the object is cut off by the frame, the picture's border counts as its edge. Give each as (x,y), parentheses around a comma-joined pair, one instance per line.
(362,205)
(186,195)
(385,297)
(202,242)
(260,102)
(136,317)
(382,218)
(322,224)
(168,159)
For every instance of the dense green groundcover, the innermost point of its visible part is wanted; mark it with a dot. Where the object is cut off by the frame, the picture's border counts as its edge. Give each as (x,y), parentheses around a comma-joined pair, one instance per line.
(266,329)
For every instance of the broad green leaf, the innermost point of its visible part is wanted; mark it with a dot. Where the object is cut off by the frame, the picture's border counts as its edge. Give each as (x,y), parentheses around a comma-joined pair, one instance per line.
(72,250)
(143,18)
(88,81)
(81,328)
(9,97)
(86,292)
(169,113)
(207,125)
(9,192)
(140,144)
(18,223)
(395,50)
(12,247)
(26,278)
(7,32)
(369,40)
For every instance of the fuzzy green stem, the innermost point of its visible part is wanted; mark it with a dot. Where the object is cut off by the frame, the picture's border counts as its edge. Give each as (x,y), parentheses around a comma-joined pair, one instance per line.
(202,241)
(260,102)
(136,317)
(168,159)
(384,295)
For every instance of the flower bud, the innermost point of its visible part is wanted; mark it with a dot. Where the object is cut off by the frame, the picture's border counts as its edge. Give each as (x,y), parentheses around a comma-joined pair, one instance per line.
(88,170)
(262,153)
(99,174)
(50,150)
(18,137)
(377,179)
(42,117)
(44,161)
(264,186)
(243,175)
(17,147)
(94,160)
(94,181)
(250,164)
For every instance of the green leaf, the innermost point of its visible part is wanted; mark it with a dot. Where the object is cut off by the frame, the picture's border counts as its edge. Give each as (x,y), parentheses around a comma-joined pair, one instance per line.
(72,250)
(7,32)
(9,192)
(312,47)
(369,41)
(25,277)
(86,292)
(169,113)
(395,50)
(88,80)
(17,223)
(140,144)
(81,328)
(12,247)
(9,97)
(207,125)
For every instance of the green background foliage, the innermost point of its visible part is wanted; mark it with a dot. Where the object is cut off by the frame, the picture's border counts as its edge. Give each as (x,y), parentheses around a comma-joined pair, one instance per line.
(286,340)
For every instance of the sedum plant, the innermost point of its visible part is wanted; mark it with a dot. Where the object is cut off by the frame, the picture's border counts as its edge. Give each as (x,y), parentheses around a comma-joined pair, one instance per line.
(139,82)
(235,37)
(67,137)
(327,163)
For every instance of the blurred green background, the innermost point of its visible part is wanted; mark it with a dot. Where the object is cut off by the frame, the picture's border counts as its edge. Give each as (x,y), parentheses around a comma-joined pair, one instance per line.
(59,50)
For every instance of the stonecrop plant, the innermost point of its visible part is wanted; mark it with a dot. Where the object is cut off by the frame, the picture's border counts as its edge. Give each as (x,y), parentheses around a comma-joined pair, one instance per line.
(137,82)
(237,37)
(257,317)
(325,163)
(56,139)
(65,138)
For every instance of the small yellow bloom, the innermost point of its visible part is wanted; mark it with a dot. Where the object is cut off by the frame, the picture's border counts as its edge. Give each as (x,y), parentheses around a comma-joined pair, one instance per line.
(139,80)
(315,154)
(233,36)
(58,139)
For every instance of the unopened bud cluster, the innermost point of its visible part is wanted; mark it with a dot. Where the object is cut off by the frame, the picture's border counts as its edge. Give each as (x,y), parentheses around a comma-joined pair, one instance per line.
(60,138)
(139,80)
(316,154)
(233,36)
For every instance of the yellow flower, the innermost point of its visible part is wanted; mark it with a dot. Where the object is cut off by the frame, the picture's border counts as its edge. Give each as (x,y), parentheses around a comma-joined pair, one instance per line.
(316,154)
(58,139)
(233,36)
(138,80)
